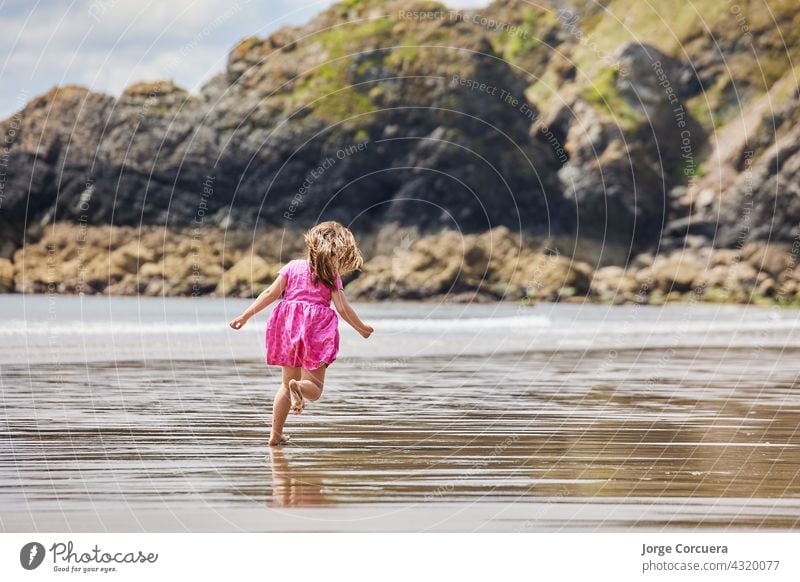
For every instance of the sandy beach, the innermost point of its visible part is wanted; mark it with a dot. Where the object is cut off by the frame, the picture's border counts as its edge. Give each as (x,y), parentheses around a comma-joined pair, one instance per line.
(549,515)
(456,418)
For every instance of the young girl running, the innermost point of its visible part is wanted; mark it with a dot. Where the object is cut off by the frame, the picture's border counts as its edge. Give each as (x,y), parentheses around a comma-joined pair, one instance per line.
(303,332)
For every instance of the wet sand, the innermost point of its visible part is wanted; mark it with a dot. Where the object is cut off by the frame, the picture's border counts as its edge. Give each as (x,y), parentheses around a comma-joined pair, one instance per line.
(632,439)
(592,514)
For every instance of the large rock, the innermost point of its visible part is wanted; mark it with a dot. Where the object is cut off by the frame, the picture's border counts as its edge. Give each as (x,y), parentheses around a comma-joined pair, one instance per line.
(616,284)
(494,264)
(356,122)
(625,143)
(600,122)
(6,276)
(247,277)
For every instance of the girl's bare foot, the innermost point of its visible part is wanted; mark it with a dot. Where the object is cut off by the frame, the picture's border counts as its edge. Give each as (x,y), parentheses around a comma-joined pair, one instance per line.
(296,395)
(281,440)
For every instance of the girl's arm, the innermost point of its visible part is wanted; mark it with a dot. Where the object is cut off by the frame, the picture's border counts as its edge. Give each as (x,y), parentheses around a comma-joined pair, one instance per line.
(349,315)
(267,296)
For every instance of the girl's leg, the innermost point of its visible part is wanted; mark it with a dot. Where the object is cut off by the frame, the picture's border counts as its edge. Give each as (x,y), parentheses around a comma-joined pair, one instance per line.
(281,405)
(311,383)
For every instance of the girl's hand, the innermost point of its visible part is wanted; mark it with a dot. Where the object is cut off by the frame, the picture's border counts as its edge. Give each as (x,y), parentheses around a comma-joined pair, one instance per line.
(366,331)
(239,322)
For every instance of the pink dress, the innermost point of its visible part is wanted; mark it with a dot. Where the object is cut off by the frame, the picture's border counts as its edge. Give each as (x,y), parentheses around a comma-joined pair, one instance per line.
(303,330)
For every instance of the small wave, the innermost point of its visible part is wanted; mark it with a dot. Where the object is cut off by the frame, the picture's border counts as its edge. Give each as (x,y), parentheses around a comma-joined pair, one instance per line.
(465,323)
(80,327)
(575,329)
(683,327)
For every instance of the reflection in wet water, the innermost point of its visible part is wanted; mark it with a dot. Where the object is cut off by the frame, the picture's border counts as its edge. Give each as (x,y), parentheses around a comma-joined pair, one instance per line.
(291,488)
(702,423)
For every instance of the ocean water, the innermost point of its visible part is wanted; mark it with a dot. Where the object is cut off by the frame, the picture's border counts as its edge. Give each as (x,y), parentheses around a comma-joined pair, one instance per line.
(147,404)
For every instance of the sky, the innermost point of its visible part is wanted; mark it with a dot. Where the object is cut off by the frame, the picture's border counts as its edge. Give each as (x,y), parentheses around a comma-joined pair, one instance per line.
(107,45)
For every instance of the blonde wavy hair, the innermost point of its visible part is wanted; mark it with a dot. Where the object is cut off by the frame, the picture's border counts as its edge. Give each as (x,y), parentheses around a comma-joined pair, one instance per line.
(332,251)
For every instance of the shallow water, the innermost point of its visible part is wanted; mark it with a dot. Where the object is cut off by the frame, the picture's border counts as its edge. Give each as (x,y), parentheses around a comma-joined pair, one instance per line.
(503,417)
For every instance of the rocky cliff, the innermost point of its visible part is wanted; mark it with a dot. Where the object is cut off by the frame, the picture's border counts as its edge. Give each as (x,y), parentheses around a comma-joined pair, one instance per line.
(611,135)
